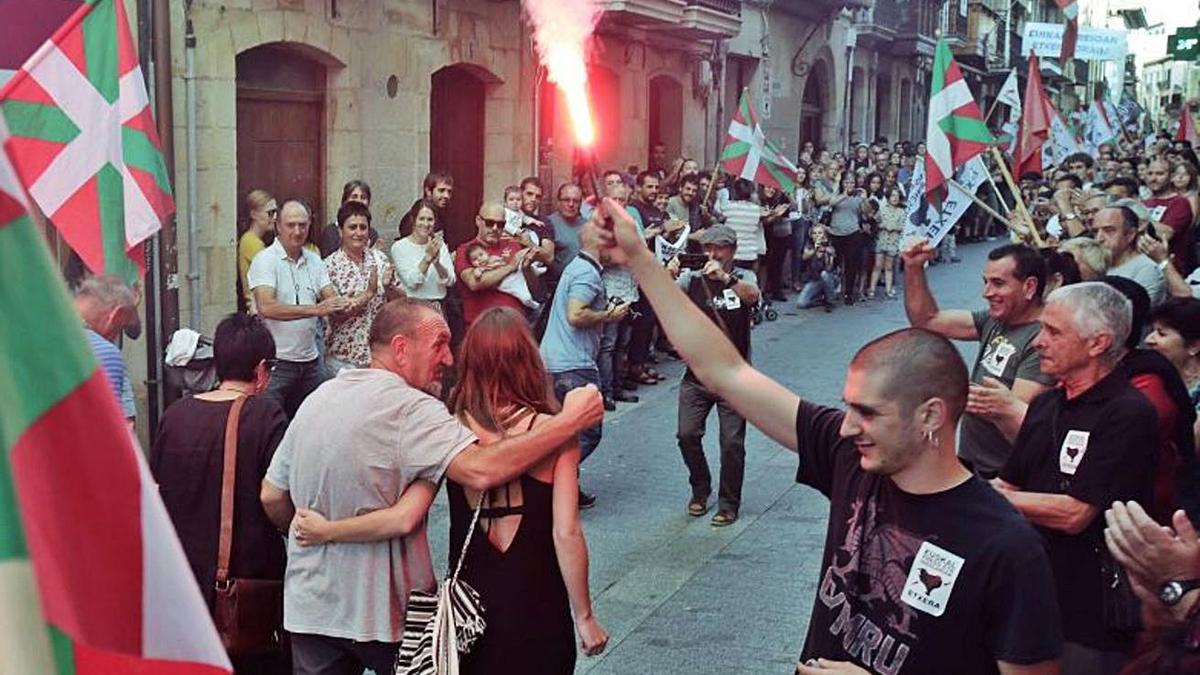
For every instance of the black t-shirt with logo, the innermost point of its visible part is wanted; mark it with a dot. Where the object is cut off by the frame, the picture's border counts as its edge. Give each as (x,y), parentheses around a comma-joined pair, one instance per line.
(945,583)
(713,297)
(1098,447)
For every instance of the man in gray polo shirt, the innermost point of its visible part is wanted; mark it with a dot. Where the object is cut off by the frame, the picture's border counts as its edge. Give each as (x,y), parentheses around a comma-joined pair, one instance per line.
(354,446)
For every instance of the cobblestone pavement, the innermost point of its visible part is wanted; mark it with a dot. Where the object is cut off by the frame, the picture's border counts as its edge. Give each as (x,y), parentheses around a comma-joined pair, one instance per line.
(676,594)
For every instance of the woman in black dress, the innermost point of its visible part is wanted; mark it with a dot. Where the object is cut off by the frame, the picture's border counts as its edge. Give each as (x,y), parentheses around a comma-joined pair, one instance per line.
(527,558)
(187,460)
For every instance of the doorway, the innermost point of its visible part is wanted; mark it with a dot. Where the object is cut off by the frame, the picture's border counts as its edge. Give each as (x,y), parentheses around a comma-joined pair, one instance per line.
(280,128)
(457,104)
(665,116)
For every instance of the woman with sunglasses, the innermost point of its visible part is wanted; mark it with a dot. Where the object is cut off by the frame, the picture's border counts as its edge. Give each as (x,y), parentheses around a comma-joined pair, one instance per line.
(187,459)
(261,215)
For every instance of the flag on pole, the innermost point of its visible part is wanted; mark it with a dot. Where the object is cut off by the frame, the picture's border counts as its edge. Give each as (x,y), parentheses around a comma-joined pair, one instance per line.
(1187,127)
(84,141)
(1101,125)
(93,577)
(1034,129)
(956,131)
(1070,10)
(1009,94)
(1061,141)
(748,154)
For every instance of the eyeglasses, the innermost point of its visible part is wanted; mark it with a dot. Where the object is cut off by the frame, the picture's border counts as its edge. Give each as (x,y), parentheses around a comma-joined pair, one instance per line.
(494,224)
(271,212)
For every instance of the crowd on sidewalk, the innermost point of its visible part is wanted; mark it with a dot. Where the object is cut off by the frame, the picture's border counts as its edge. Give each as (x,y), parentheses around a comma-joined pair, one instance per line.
(373,365)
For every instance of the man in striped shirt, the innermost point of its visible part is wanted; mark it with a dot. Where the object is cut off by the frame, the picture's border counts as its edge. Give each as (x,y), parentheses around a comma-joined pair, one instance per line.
(106,306)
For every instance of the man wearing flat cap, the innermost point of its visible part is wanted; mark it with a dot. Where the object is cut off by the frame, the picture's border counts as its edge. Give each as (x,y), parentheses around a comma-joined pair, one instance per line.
(727,295)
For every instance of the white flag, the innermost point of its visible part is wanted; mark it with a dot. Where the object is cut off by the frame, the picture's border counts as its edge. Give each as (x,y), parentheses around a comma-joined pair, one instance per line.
(1009,95)
(1062,142)
(924,220)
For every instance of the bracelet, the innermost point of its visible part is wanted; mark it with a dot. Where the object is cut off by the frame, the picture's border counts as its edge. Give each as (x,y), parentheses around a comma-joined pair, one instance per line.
(1162,264)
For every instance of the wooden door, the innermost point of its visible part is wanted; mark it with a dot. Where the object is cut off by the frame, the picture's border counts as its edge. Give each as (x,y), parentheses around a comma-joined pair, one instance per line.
(456,136)
(280,128)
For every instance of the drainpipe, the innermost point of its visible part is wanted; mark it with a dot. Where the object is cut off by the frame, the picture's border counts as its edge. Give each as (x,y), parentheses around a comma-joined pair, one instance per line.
(163,247)
(189,81)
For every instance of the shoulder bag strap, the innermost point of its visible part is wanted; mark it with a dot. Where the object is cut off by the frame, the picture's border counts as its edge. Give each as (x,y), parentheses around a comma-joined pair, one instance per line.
(227,480)
(715,311)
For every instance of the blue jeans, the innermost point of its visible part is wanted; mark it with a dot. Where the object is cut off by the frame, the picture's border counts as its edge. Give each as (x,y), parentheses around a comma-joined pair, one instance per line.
(292,381)
(573,379)
(814,291)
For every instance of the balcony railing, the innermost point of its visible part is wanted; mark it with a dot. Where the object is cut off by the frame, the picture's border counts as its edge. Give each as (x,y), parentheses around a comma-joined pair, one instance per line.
(733,7)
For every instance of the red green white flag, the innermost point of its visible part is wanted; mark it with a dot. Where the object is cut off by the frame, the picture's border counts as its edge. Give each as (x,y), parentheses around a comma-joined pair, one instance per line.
(93,580)
(748,154)
(956,131)
(84,141)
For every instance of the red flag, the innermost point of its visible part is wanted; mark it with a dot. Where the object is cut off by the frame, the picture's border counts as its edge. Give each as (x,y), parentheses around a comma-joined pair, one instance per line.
(1034,129)
(1187,128)
(1070,10)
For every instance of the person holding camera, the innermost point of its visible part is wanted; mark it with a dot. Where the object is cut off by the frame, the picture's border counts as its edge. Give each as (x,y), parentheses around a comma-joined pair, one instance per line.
(726,295)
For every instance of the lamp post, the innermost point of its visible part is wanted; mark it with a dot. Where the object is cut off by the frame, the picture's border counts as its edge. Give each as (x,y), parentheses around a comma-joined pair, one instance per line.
(851,42)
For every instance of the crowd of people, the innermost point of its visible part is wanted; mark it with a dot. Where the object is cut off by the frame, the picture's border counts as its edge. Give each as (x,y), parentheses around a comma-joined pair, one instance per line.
(1028,514)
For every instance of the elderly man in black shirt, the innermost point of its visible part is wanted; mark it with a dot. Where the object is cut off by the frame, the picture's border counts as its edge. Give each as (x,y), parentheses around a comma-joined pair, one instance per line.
(926,569)
(1082,446)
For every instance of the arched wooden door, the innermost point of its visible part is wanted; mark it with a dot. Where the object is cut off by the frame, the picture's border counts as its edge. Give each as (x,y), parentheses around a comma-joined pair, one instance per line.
(812,109)
(280,127)
(457,105)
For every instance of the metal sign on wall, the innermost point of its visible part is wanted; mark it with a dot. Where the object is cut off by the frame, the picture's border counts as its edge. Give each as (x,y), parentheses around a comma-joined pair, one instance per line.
(1094,44)
(1184,44)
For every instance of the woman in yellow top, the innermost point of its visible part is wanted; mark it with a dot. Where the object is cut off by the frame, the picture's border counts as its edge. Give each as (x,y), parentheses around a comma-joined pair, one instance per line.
(261,215)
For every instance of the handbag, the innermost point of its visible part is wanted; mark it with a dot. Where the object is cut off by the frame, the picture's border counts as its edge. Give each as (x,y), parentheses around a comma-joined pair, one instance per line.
(248,613)
(439,626)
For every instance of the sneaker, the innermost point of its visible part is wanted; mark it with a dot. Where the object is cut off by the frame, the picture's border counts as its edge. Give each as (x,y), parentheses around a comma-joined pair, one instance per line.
(723,518)
(586,501)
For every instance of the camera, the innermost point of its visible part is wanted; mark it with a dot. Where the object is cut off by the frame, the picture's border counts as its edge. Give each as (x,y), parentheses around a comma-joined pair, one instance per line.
(692,261)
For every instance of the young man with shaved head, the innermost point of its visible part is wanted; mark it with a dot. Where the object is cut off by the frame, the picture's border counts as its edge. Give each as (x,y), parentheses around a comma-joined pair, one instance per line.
(926,569)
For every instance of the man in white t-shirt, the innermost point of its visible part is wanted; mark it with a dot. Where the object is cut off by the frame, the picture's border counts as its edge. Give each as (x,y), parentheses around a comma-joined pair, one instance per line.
(359,442)
(292,291)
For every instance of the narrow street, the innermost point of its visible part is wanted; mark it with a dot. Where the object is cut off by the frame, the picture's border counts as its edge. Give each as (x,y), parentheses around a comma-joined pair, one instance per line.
(678,595)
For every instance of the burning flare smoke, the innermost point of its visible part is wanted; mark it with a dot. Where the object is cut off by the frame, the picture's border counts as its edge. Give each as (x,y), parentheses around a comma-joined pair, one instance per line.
(561,32)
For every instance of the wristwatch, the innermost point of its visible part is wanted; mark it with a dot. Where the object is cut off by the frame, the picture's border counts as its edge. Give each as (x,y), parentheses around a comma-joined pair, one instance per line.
(1173,591)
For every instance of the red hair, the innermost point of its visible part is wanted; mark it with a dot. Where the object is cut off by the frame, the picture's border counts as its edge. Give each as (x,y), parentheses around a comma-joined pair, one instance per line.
(500,371)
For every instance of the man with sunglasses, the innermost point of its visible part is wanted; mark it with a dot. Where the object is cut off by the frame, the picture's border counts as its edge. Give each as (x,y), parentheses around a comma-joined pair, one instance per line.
(481,292)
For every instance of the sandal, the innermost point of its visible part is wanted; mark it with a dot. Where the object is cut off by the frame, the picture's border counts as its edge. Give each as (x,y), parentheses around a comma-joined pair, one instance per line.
(724,518)
(697,506)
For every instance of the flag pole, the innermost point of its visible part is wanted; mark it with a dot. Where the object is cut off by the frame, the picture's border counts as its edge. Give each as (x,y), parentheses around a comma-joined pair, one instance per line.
(979,202)
(1016,190)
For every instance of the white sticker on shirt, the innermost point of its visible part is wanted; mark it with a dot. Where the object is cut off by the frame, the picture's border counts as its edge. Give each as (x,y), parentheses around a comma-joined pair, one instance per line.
(931,579)
(1073,449)
(996,356)
(732,301)
(1157,213)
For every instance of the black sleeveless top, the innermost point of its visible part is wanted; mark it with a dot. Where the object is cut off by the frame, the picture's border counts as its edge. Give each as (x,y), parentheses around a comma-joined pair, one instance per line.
(528,613)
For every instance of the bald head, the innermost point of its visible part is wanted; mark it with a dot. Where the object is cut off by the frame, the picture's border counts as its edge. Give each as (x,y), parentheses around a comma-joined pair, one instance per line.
(293,227)
(400,317)
(913,366)
(490,222)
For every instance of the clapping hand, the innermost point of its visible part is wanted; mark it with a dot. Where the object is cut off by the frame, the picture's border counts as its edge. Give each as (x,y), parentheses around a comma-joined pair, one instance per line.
(989,398)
